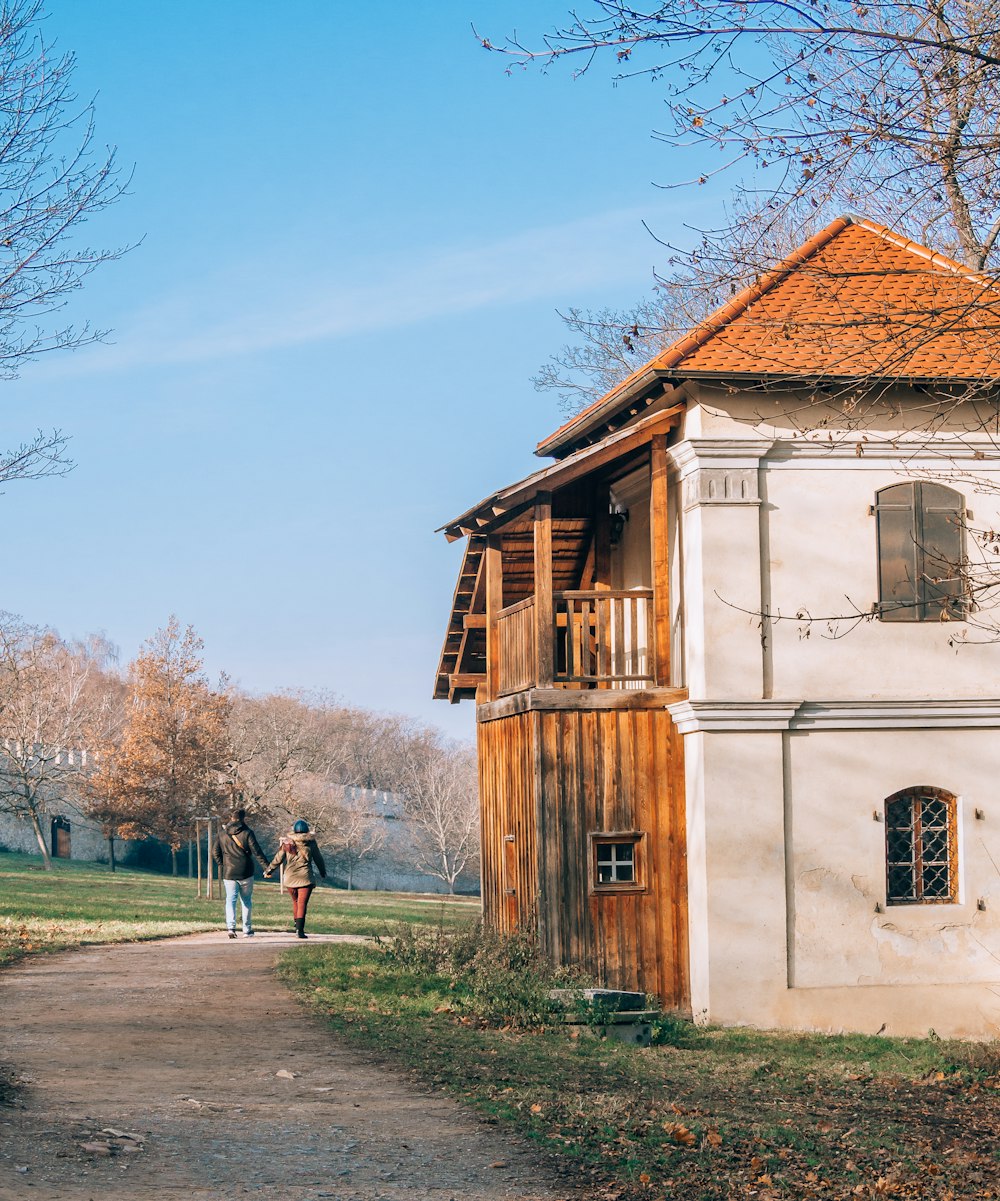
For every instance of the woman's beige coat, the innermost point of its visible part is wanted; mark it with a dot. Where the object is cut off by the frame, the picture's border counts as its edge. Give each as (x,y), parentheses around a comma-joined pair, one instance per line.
(298,853)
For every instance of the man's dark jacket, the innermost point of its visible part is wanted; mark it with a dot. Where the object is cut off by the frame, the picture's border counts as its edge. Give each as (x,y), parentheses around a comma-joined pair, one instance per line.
(233,848)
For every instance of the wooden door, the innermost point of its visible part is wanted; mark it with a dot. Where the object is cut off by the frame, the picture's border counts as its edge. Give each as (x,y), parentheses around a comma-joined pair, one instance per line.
(510,882)
(61,837)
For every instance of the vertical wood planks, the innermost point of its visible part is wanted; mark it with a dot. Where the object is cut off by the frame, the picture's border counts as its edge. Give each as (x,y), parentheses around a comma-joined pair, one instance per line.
(494,603)
(544,611)
(508,822)
(551,778)
(659,535)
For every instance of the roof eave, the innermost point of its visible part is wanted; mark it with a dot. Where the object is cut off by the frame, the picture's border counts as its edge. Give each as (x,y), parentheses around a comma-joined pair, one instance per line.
(503,505)
(826,379)
(592,417)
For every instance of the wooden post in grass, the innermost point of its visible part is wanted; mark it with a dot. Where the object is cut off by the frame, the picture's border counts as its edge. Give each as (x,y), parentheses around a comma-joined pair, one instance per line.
(209,823)
(212,873)
(197,846)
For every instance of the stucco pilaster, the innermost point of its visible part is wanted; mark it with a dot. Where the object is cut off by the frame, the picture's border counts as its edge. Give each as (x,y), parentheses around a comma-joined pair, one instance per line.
(723,580)
(736,892)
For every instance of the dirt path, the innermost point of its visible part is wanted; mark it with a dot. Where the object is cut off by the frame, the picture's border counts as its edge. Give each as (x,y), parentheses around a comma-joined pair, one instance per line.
(179,1043)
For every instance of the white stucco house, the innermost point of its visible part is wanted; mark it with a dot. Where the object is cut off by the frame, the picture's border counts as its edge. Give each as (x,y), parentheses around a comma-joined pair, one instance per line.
(734,749)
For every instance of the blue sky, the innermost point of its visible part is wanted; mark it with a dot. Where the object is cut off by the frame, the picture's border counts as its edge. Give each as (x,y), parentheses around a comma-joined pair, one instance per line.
(355,231)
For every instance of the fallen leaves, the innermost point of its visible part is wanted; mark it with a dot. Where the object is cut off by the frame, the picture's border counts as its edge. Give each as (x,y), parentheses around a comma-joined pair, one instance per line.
(680,1134)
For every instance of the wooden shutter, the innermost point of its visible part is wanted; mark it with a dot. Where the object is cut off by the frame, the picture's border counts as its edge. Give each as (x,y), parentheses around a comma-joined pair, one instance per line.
(921,544)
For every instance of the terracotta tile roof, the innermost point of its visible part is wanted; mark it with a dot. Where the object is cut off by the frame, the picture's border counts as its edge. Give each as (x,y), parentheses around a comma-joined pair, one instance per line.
(855,301)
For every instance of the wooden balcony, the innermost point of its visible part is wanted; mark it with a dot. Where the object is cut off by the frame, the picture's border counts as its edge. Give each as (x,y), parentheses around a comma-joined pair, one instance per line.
(597,639)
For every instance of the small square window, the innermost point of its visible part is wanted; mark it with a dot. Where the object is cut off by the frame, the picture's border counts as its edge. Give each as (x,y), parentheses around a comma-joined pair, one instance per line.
(616,861)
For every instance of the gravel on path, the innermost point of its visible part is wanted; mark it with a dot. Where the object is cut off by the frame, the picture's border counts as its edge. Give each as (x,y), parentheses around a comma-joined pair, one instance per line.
(184,1068)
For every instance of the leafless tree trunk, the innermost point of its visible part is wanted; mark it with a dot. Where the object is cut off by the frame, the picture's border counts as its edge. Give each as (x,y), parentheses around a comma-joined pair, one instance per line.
(46,709)
(441,798)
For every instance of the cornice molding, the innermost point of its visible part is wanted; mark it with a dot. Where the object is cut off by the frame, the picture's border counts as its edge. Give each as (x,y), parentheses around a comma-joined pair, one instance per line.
(692,454)
(976,454)
(898,715)
(761,716)
(732,716)
(861,451)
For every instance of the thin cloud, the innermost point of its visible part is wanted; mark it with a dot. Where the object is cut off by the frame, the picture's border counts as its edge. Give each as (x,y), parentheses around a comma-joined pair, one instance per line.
(282,311)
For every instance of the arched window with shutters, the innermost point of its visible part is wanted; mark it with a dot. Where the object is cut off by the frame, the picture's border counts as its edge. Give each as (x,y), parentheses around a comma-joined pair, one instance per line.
(921,552)
(921,847)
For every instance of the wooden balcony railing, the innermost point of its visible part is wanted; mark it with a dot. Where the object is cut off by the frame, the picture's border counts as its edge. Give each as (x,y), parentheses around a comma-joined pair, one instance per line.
(601,639)
(605,638)
(516,632)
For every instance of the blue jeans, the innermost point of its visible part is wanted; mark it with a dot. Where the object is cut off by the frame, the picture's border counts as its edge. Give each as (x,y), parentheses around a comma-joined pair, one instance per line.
(245,889)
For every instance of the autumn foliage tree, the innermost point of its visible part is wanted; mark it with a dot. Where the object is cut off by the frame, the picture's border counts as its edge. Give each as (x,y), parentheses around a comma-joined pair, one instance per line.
(168,761)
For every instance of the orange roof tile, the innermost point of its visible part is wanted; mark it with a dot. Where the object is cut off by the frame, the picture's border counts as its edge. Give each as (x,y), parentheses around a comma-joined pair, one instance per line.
(855,301)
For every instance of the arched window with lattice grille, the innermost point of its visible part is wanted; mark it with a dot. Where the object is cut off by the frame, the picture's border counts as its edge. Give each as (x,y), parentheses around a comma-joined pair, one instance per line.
(921,847)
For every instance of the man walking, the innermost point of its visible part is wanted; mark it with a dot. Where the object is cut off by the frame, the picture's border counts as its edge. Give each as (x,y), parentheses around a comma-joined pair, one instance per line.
(233,849)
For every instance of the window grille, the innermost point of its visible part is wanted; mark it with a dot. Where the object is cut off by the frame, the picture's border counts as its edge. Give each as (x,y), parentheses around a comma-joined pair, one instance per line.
(921,847)
(921,552)
(617,861)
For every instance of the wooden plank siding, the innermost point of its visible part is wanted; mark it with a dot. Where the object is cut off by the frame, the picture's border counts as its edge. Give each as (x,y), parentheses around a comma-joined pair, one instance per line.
(551,777)
(506,794)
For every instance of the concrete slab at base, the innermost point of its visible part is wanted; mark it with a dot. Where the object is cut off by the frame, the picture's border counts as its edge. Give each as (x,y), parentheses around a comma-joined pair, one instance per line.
(635,1034)
(611,999)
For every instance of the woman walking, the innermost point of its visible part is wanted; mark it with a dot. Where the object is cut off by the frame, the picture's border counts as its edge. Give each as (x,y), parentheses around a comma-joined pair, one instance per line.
(298,852)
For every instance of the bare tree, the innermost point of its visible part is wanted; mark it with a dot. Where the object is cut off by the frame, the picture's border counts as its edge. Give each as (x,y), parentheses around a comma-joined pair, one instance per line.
(889,108)
(360,747)
(611,344)
(36,458)
(53,178)
(359,830)
(47,706)
(440,793)
(99,797)
(272,741)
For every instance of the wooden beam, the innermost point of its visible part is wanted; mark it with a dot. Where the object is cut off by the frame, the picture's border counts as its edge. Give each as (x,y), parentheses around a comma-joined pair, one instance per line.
(474,621)
(493,558)
(466,680)
(518,497)
(602,539)
(587,571)
(544,612)
(659,537)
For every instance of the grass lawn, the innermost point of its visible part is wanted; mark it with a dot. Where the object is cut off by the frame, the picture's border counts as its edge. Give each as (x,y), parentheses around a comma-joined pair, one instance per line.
(79,903)
(727,1114)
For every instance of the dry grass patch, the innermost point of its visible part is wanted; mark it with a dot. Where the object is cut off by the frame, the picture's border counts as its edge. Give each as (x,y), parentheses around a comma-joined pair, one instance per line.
(729,1114)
